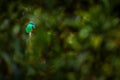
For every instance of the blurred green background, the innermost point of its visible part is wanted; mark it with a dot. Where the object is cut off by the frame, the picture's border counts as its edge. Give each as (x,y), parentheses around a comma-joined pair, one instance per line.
(73,40)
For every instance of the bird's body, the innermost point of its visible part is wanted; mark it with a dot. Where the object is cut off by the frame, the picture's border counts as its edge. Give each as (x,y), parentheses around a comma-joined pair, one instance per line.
(29,27)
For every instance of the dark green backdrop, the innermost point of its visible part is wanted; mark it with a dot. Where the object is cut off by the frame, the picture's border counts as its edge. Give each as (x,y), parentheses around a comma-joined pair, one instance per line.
(73,40)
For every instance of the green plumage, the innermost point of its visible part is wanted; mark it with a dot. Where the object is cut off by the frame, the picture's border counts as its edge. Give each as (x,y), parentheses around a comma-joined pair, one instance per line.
(29,27)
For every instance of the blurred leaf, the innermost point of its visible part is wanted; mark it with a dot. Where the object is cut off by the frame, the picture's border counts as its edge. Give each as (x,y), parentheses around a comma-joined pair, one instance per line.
(96,41)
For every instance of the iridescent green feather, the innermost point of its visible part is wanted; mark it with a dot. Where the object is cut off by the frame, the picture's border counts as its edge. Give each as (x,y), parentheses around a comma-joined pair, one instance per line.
(29,27)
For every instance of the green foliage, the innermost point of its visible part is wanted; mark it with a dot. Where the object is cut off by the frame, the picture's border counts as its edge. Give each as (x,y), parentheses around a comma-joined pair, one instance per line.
(73,40)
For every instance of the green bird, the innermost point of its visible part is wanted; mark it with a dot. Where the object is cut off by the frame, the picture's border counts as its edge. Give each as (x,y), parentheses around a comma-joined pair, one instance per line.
(30,27)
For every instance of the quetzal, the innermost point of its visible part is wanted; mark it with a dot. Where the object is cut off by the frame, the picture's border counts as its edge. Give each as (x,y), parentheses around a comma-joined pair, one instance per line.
(30,27)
